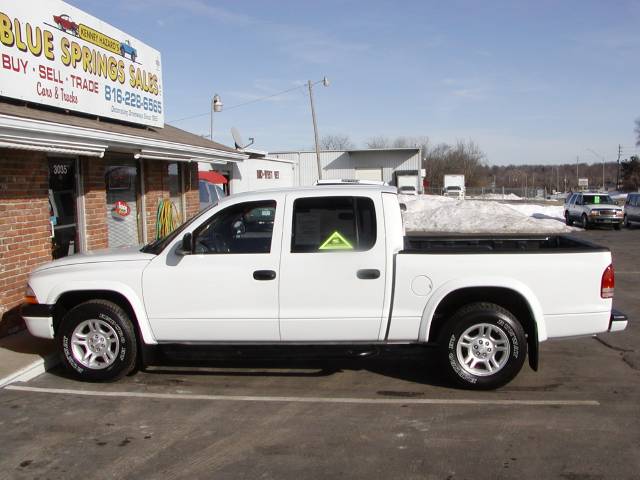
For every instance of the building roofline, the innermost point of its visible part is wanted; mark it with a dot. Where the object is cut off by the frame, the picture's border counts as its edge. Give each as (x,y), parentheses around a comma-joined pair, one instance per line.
(356,150)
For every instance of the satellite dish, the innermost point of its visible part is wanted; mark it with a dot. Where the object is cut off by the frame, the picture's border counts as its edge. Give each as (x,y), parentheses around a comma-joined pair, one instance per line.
(237,138)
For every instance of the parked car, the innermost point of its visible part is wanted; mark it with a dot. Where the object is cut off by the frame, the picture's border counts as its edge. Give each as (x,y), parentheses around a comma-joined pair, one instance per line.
(592,208)
(127,49)
(210,193)
(631,209)
(323,266)
(65,23)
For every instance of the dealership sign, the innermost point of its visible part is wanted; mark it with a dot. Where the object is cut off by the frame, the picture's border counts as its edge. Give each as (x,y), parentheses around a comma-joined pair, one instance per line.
(54,54)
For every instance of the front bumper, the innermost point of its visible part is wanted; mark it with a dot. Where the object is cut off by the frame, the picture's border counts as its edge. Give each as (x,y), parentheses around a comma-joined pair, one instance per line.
(618,321)
(605,220)
(39,319)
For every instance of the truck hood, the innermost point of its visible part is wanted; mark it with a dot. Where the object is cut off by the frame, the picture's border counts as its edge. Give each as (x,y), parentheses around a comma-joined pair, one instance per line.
(122,254)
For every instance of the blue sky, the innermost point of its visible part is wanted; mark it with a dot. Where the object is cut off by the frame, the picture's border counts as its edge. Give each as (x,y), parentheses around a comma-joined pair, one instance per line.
(530,82)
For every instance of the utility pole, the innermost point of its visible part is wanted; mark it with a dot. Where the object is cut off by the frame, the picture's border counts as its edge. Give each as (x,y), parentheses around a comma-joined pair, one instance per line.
(618,168)
(315,130)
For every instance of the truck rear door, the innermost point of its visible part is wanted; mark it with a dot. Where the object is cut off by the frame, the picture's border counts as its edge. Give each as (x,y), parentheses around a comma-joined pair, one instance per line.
(332,271)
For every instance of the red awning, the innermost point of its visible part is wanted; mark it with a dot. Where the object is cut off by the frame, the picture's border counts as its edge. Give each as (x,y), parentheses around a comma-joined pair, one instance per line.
(212,177)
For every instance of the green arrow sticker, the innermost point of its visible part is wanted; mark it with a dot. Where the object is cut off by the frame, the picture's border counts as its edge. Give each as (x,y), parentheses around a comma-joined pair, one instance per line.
(336,242)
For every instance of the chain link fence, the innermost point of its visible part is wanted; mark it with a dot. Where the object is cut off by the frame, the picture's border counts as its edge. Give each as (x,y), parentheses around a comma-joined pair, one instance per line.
(503,193)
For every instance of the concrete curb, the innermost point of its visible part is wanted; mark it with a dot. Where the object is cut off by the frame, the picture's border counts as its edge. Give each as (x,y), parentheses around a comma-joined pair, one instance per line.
(35,368)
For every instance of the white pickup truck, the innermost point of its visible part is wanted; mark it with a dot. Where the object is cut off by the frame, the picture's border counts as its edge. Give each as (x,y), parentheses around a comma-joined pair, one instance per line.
(325,265)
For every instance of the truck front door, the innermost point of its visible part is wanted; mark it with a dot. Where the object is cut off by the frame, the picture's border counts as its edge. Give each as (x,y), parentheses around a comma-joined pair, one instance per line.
(227,289)
(332,273)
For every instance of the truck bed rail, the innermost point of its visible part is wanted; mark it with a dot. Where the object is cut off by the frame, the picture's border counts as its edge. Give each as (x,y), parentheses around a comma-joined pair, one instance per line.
(498,244)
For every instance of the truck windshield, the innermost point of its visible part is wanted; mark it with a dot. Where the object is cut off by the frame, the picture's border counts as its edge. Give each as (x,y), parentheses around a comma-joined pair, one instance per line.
(159,244)
(596,199)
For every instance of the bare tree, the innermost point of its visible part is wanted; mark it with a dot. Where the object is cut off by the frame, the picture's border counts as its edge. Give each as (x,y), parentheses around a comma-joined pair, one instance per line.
(378,142)
(464,158)
(336,142)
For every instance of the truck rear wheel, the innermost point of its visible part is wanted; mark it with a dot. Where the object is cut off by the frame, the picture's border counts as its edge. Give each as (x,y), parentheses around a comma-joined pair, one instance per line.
(482,346)
(97,341)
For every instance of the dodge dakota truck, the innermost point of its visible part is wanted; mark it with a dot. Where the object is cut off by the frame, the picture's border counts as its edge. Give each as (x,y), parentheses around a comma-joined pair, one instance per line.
(322,266)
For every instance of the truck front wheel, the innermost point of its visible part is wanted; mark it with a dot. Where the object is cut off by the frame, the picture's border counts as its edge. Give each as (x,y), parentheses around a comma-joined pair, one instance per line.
(97,341)
(482,346)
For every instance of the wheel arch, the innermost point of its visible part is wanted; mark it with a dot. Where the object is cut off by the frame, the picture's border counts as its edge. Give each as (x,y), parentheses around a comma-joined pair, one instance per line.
(119,294)
(513,296)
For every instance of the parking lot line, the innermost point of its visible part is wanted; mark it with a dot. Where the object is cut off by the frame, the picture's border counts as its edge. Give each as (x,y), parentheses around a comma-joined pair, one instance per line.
(363,401)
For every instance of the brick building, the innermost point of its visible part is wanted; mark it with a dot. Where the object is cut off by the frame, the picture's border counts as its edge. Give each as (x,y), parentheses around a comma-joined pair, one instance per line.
(70,183)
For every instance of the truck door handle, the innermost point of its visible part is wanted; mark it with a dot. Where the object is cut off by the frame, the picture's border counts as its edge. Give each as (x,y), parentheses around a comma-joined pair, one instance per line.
(264,275)
(368,274)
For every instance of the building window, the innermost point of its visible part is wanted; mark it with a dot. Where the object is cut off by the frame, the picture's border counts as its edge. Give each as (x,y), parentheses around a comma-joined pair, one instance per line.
(174,181)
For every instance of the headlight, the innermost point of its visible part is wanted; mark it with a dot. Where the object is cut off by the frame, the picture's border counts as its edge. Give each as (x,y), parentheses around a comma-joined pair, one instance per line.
(30,296)
(619,213)
(594,213)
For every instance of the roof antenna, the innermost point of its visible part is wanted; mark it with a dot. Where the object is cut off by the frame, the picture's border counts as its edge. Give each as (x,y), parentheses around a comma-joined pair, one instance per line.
(237,138)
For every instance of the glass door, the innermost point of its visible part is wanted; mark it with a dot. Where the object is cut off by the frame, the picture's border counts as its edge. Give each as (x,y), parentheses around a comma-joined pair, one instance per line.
(62,206)
(121,181)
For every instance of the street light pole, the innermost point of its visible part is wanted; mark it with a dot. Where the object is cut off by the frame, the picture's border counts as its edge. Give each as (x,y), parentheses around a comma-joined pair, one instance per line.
(216,106)
(325,82)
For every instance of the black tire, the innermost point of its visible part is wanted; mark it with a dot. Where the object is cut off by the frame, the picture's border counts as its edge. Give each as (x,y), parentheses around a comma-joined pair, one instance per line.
(626,222)
(617,226)
(111,348)
(504,326)
(567,218)
(585,222)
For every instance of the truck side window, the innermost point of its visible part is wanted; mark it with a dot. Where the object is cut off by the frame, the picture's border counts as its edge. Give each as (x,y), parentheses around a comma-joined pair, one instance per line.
(333,224)
(241,228)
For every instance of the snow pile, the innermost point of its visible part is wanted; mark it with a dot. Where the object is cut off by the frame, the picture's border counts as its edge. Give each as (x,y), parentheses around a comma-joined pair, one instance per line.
(496,196)
(431,213)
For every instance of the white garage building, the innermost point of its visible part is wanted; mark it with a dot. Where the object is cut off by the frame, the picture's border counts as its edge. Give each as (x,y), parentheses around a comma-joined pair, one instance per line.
(384,164)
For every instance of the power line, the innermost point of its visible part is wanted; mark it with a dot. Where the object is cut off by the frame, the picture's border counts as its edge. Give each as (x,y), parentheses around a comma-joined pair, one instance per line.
(266,97)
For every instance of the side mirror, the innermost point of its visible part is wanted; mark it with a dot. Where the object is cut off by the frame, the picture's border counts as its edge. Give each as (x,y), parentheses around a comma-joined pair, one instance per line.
(186,248)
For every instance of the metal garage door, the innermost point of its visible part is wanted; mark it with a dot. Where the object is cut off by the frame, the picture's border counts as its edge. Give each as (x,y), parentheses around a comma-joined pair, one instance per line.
(369,174)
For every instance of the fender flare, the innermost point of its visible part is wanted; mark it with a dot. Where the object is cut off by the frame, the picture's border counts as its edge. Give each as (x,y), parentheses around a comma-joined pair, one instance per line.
(123,289)
(481,282)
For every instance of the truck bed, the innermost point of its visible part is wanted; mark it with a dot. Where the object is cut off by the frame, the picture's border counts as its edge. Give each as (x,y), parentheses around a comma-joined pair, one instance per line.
(436,244)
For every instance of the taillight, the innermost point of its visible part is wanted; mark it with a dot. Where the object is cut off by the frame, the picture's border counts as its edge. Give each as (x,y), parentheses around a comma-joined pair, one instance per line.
(608,282)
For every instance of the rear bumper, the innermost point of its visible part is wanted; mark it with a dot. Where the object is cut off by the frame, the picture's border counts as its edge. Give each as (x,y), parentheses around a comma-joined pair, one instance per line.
(618,321)
(39,319)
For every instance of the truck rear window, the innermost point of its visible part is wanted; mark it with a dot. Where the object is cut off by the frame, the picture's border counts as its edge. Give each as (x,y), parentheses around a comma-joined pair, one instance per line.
(333,224)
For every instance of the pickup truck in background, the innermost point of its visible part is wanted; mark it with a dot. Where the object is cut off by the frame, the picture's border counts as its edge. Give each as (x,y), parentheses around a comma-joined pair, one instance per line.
(321,266)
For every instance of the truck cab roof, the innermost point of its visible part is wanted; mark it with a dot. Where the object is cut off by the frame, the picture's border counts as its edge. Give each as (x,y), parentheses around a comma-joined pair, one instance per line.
(326,189)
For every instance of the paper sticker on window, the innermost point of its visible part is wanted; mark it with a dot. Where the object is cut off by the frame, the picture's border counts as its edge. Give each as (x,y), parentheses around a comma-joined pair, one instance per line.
(336,242)
(596,199)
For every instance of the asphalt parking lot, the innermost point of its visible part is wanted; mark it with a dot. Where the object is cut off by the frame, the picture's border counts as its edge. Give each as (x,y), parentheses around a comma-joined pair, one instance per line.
(380,417)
